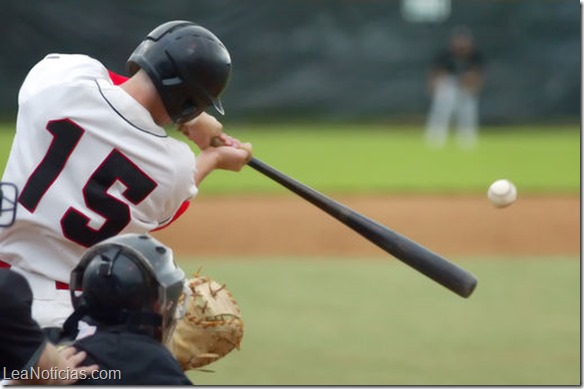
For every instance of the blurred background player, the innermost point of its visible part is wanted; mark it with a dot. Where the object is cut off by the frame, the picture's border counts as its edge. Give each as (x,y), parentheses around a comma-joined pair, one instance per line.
(455,81)
(92,159)
(131,288)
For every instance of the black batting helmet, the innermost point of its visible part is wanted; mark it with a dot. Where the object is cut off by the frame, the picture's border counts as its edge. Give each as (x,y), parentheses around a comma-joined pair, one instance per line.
(188,65)
(129,281)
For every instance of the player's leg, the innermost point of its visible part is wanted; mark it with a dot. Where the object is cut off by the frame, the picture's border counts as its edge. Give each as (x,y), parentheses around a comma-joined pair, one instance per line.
(467,119)
(54,312)
(441,110)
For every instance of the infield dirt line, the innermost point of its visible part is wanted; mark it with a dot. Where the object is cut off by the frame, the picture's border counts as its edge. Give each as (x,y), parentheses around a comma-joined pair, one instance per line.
(450,225)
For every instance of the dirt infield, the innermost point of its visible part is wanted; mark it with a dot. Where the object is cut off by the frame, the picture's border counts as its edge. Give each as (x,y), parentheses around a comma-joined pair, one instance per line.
(450,225)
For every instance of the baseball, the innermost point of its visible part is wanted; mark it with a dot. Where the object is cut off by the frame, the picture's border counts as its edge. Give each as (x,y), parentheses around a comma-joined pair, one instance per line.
(502,193)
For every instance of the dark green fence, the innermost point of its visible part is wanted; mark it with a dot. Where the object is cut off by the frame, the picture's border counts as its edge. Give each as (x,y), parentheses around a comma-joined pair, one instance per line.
(322,59)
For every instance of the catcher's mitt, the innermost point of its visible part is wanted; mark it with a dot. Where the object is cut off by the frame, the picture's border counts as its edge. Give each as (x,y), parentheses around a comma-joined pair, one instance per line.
(211,326)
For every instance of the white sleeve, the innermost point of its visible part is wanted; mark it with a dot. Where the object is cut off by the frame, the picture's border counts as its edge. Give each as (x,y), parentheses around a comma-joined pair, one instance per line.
(184,187)
(186,172)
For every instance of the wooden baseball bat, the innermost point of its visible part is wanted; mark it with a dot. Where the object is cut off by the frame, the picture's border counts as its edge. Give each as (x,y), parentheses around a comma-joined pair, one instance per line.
(406,250)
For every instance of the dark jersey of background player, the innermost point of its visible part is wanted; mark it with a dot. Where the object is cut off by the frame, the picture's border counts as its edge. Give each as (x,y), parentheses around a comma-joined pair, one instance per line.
(127,358)
(21,339)
(458,59)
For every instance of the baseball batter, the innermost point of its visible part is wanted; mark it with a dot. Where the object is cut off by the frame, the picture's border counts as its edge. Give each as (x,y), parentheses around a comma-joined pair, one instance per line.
(92,159)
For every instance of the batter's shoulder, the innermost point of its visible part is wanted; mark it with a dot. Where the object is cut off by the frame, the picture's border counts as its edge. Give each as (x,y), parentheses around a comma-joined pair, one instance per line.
(61,70)
(77,66)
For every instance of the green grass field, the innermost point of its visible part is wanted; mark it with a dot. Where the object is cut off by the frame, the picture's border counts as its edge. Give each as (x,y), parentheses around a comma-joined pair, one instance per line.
(377,322)
(386,159)
(374,158)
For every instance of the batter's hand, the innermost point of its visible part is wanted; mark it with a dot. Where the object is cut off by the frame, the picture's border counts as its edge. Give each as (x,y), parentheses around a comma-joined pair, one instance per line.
(226,153)
(202,130)
(233,155)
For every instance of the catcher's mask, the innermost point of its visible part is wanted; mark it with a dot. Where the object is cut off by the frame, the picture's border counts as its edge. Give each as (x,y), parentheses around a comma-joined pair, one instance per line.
(188,65)
(129,281)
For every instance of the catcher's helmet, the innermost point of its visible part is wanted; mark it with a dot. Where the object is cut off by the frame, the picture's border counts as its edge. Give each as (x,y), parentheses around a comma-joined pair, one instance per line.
(188,65)
(130,281)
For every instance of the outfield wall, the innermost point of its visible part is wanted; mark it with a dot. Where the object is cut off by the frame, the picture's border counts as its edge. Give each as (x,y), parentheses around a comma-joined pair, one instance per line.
(327,59)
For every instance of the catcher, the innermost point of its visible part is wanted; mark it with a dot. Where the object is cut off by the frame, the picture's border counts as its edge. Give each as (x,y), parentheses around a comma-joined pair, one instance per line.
(133,294)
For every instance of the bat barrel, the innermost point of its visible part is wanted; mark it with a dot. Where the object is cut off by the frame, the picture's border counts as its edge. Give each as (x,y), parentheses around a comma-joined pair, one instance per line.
(414,255)
(406,250)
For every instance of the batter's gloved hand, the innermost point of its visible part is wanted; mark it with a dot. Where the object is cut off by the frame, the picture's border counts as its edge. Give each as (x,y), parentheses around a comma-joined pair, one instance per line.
(211,326)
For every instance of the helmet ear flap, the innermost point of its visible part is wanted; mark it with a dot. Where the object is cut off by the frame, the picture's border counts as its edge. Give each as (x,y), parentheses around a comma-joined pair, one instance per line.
(189,111)
(175,94)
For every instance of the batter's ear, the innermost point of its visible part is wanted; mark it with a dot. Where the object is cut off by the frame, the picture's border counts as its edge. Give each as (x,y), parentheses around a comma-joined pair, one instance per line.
(8,197)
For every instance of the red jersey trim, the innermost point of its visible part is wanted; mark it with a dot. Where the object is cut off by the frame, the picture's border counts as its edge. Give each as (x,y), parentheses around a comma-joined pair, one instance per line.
(183,207)
(117,79)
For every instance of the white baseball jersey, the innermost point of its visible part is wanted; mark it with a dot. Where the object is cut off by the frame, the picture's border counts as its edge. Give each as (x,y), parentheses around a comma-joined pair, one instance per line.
(90,163)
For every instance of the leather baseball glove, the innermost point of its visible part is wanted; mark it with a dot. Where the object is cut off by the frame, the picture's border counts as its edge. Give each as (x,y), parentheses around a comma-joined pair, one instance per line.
(211,326)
